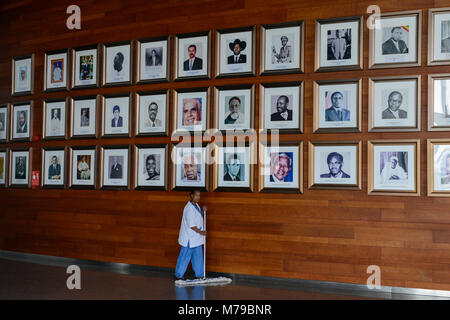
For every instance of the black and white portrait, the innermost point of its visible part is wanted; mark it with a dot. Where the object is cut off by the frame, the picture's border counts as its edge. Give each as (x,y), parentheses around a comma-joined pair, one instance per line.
(116,115)
(234,109)
(21,121)
(233,167)
(395,40)
(151,171)
(3,122)
(117,63)
(115,167)
(281,107)
(151,113)
(55,118)
(20,162)
(439,172)
(339,44)
(394,104)
(445,36)
(236,52)
(84,117)
(22,75)
(440,102)
(190,167)
(2,168)
(152,60)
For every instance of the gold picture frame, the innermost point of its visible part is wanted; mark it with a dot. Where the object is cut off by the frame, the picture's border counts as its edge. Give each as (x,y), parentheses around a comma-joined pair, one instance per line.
(316,106)
(65,73)
(5,168)
(30,123)
(177,67)
(75,72)
(103,99)
(45,103)
(11,164)
(14,92)
(431,31)
(70,182)
(72,134)
(313,184)
(175,116)
(136,148)
(371,109)
(371,190)
(432,191)
(139,60)
(137,98)
(44,169)
(101,167)
(431,103)
(7,121)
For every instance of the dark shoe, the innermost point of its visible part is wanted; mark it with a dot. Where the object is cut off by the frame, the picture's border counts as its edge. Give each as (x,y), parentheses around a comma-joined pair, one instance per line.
(200,278)
(176,278)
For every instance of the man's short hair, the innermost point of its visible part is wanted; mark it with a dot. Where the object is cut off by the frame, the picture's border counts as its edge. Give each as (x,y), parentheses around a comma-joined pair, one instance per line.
(116,108)
(393,29)
(232,157)
(335,93)
(150,157)
(154,104)
(394,93)
(284,37)
(284,97)
(194,46)
(234,98)
(121,57)
(335,155)
(194,191)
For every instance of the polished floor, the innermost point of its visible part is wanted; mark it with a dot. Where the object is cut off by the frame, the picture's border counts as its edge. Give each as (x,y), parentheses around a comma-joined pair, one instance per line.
(28,280)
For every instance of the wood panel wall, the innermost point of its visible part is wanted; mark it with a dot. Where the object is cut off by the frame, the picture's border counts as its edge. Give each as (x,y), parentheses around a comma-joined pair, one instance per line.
(326,235)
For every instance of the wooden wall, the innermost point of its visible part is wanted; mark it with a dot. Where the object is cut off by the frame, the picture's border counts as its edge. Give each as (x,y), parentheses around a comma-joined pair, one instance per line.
(326,235)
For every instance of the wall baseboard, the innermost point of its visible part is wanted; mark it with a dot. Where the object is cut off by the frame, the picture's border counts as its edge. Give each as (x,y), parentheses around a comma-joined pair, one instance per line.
(342,288)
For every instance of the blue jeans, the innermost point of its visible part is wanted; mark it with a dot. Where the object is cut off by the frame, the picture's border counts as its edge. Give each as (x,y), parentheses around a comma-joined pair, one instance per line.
(195,255)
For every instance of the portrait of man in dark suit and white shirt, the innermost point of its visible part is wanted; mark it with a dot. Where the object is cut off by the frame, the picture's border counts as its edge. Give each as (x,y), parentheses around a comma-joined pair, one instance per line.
(395,45)
(335,161)
(237,47)
(116,169)
(54,170)
(117,120)
(283,113)
(152,58)
(193,63)
(22,122)
(233,166)
(337,111)
(393,110)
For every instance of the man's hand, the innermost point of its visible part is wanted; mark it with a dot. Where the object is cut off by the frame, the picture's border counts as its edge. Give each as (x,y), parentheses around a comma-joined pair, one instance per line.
(203,232)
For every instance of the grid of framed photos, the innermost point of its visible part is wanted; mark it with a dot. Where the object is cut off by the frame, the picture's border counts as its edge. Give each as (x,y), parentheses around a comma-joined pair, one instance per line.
(394,105)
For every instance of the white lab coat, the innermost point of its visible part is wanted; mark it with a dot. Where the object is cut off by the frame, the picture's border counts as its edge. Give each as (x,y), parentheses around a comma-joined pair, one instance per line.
(191,218)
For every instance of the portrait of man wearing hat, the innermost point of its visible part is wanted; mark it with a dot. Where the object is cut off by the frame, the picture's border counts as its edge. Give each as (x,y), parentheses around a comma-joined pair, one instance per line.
(284,56)
(237,47)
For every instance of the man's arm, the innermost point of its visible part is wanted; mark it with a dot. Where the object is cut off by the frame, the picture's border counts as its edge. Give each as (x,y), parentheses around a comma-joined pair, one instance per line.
(203,233)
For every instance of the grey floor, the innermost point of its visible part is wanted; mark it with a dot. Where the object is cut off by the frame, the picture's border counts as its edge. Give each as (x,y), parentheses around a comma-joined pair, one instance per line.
(31,280)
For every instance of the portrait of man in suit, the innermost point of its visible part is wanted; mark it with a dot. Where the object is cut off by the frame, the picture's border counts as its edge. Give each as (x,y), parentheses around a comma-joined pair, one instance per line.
(233,166)
(191,168)
(337,111)
(285,54)
(445,178)
(193,63)
(235,115)
(395,45)
(150,166)
(335,161)
(118,62)
(445,36)
(54,170)
(192,113)
(87,67)
(280,166)
(116,168)
(283,113)
(237,47)
(117,120)
(84,118)
(152,58)
(152,122)
(393,110)
(21,122)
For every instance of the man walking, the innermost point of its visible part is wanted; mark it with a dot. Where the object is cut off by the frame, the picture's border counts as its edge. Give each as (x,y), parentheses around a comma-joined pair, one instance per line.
(191,239)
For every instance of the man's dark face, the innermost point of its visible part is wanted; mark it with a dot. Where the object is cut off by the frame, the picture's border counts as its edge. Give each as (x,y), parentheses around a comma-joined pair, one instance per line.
(151,167)
(237,49)
(393,163)
(192,52)
(335,166)
(196,197)
(338,100)
(282,104)
(117,63)
(395,102)
(396,34)
(152,111)
(21,119)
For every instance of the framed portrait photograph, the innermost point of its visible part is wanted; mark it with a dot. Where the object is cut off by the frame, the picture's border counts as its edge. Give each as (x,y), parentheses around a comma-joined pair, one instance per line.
(193,56)
(281,107)
(117,63)
(334,165)
(234,108)
(56,70)
(151,170)
(439,36)
(3,167)
(393,167)
(281,168)
(4,122)
(54,118)
(115,167)
(191,109)
(22,121)
(339,44)
(439,102)
(83,167)
(282,47)
(22,75)
(394,104)
(191,167)
(395,42)
(86,67)
(235,49)
(337,105)
(53,167)
(84,117)
(234,168)
(152,113)
(116,115)
(153,60)
(20,168)
(438,165)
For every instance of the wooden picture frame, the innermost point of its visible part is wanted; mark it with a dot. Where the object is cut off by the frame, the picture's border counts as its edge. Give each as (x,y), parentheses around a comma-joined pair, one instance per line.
(95,122)
(28,168)
(152,78)
(28,59)
(165,166)
(94,52)
(164,118)
(29,123)
(6,122)
(65,55)
(64,170)
(94,164)
(65,122)
(129,122)
(178,68)
(105,74)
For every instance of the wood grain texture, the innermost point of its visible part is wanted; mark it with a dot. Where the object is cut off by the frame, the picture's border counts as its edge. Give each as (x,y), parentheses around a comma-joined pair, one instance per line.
(331,235)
